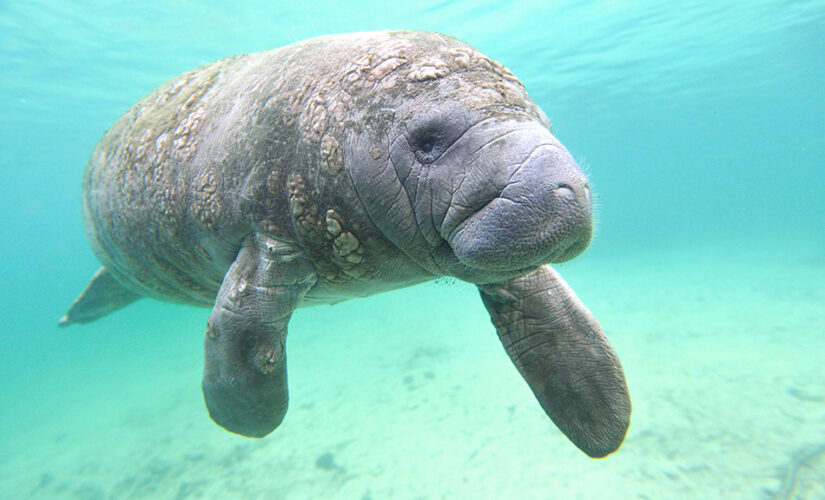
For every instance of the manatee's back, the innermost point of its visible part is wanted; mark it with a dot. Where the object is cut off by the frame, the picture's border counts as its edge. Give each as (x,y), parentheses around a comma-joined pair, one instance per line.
(164,189)
(160,191)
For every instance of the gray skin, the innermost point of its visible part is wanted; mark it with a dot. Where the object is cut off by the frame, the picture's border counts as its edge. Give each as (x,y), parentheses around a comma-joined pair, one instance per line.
(340,167)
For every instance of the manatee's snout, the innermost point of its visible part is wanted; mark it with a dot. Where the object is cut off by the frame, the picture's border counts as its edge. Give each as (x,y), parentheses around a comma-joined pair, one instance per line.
(541,210)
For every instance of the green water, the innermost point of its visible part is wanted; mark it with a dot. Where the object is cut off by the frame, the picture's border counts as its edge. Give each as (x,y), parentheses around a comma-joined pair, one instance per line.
(702,127)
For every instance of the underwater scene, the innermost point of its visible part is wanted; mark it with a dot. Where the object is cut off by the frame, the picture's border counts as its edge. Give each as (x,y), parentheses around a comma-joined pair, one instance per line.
(700,127)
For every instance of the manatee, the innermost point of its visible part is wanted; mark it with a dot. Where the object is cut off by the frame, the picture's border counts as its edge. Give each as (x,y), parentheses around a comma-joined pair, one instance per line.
(340,167)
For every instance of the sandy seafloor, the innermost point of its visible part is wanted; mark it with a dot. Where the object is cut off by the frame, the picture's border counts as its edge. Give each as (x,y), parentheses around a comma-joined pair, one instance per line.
(409,395)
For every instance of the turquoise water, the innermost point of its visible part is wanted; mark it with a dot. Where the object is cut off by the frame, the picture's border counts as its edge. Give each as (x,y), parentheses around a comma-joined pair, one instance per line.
(702,128)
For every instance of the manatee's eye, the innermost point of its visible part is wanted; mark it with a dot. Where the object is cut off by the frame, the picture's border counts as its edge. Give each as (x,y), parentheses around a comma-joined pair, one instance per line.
(427,145)
(431,135)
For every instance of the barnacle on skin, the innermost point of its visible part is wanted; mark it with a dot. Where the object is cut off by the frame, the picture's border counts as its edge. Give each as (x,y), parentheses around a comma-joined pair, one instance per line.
(428,70)
(332,159)
(207,204)
(345,244)
(333,223)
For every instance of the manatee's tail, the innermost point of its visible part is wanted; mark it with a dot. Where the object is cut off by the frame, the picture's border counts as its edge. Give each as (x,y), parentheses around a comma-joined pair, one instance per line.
(103,294)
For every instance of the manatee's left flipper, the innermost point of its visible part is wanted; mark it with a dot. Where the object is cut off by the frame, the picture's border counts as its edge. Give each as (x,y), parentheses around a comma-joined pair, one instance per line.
(560,350)
(244,380)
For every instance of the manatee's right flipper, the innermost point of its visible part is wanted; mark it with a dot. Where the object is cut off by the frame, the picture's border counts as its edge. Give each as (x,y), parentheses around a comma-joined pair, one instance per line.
(102,295)
(244,379)
(562,353)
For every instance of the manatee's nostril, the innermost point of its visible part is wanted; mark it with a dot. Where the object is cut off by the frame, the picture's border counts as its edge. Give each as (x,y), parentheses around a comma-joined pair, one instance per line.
(566,191)
(569,193)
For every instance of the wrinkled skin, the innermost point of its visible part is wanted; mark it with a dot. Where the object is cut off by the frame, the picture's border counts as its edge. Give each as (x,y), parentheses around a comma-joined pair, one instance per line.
(341,167)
